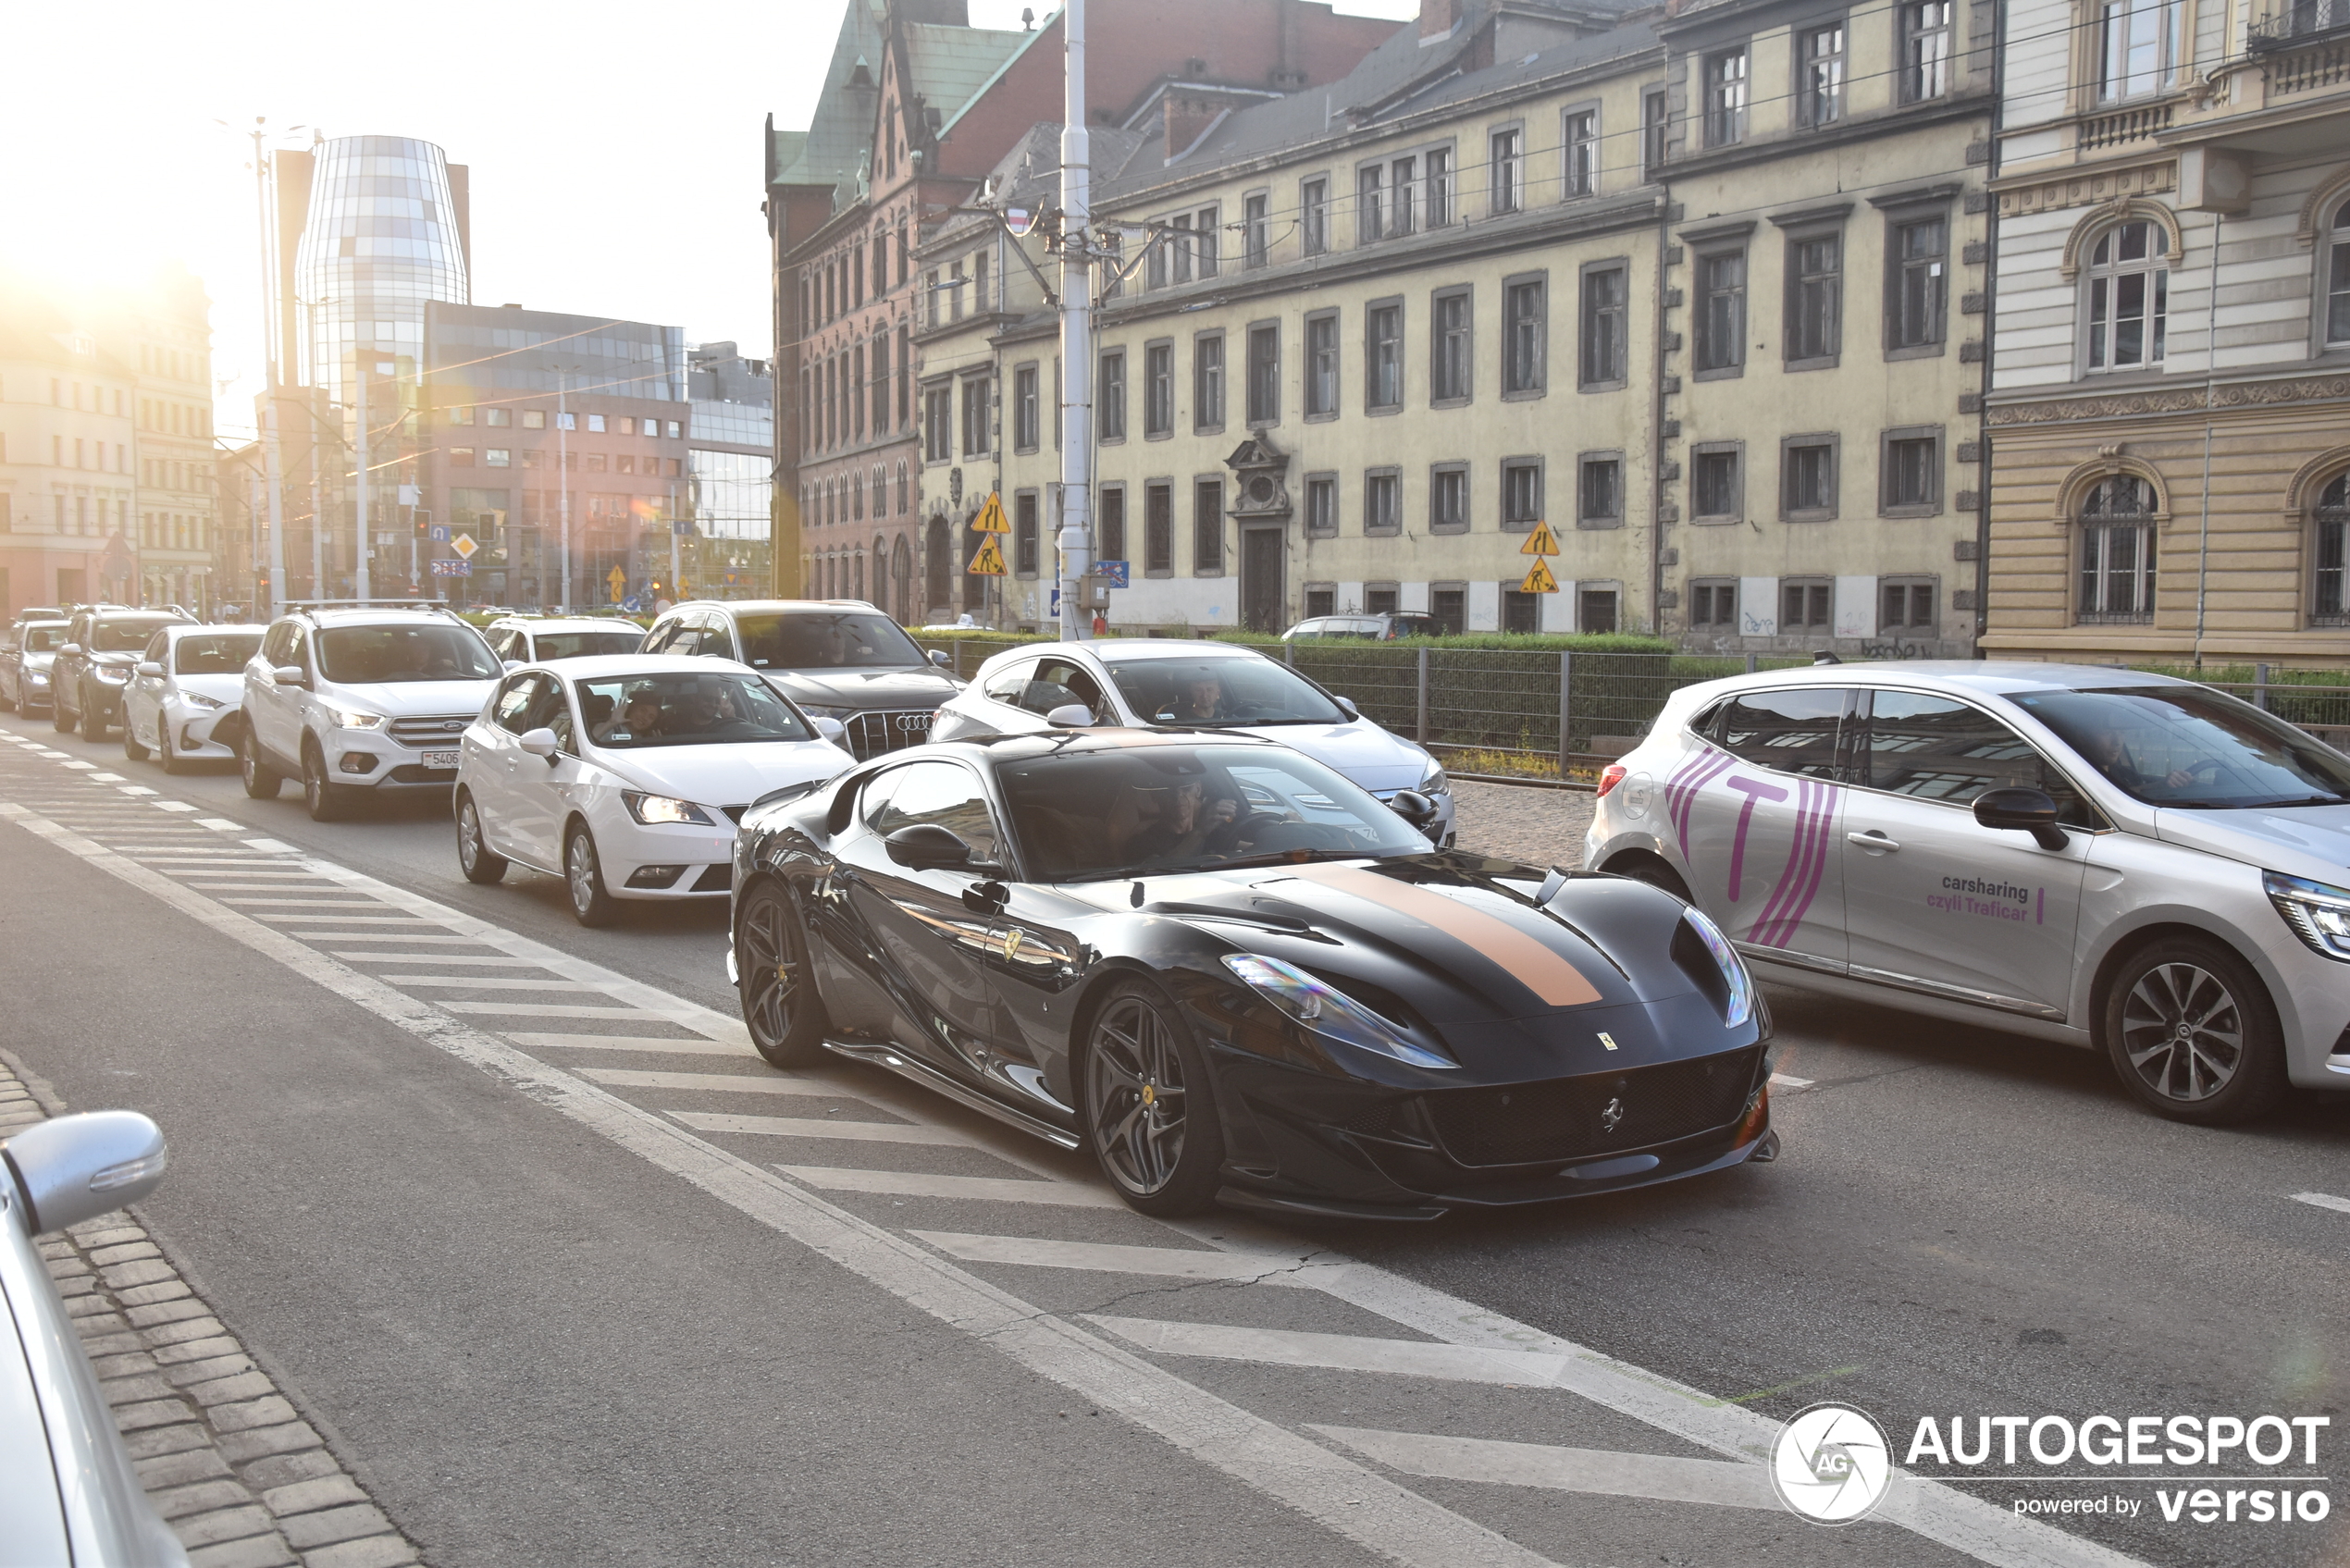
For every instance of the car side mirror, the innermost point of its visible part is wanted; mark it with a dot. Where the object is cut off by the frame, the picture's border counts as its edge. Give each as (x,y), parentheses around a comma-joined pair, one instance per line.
(2022,810)
(511,664)
(1070,716)
(1413,806)
(150,669)
(938,656)
(831,729)
(540,742)
(77,1167)
(290,675)
(70,647)
(1347,706)
(925,845)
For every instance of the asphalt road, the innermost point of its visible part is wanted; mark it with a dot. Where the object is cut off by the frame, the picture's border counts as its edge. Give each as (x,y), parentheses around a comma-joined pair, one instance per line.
(543,1336)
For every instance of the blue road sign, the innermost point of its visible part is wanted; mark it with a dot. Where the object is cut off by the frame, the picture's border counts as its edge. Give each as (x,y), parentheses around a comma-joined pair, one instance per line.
(440,533)
(452,568)
(1113,572)
(683,525)
(632,604)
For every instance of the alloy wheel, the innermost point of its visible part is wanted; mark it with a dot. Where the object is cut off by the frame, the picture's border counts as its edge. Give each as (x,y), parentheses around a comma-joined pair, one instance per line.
(2182,1031)
(773,970)
(1135,1086)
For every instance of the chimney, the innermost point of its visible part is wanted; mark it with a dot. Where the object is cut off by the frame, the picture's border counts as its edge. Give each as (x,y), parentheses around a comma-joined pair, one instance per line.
(1186,116)
(1439,17)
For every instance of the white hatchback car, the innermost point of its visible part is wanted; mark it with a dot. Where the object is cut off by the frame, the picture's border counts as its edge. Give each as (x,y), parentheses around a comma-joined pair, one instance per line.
(1166,683)
(189,682)
(539,639)
(2129,862)
(626,774)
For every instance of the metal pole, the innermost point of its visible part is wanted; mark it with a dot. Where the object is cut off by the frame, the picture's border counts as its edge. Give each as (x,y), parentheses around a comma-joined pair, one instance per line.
(2260,687)
(277,504)
(1420,730)
(563,481)
(1566,707)
(676,586)
(359,528)
(1077,338)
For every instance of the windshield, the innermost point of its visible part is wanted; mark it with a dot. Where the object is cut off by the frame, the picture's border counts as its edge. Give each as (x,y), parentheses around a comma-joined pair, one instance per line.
(582,644)
(1227,690)
(2192,747)
(434,652)
(628,713)
(215,653)
(43,639)
(1159,809)
(126,636)
(824,639)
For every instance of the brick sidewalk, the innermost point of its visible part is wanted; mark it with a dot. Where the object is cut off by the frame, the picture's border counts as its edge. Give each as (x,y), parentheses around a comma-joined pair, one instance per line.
(228,1460)
(1541,827)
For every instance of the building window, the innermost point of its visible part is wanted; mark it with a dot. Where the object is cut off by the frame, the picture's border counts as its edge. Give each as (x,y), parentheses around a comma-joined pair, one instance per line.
(1726,95)
(1321,506)
(1403,183)
(955,308)
(1820,75)
(2137,43)
(1804,606)
(938,420)
(2329,606)
(1448,607)
(1716,486)
(1814,299)
(1111,397)
(1721,314)
(1024,410)
(1158,390)
(1524,332)
(1255,232)
(1521,612)
(1380,599)
(1448,499)
(1602,362)
(1208,528)
(1449,362)
(1918,284)
(976,417)
(2338,279)
(1158,529)
(1383,355)
(1208,241)
(1179,248)
(1370,202)
(932,293)
(1024,534)
(1925,50)
(1598,490)
(1155,264)
(1264,374)
(1521,494)
(1509,169)
(1595,611)
(461,457)
(1656,131)
(1207,382)
(1382,501)
(2117,551)
(1111,528)
(1714,605)
(503,457)
(1439,200)
(1807,478)
(1321,365)
(1911,467)
(1905,607)
(1579,138)
(1314,215)
(1320,602)
(2128,285)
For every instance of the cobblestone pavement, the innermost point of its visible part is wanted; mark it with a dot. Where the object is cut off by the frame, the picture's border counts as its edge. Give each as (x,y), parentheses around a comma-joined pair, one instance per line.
(231,1465)
(1542,827)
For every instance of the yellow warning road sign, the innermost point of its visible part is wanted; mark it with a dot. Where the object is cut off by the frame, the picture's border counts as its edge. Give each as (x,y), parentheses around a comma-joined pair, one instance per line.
(1542,541)
(989,562)
(1539,580)
(991,519)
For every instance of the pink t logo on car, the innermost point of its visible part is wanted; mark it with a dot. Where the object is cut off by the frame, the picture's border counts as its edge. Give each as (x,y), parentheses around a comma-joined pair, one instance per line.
(1753,789)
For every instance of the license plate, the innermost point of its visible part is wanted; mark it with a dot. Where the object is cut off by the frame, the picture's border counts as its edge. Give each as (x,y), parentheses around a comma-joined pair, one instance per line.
(441,759)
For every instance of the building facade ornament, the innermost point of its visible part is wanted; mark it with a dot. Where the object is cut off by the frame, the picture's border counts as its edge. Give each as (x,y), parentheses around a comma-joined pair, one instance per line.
(2121,209)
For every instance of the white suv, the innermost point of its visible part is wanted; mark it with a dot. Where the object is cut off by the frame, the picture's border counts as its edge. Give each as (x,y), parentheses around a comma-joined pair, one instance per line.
(364,700)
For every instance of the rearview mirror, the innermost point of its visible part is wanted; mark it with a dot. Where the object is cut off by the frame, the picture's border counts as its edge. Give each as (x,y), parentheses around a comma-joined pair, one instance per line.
(290,675)
(926,844)
(2022,810)
(1347,706)
(1413,806)
(1070,716)
(78,1167)
(540,743)
(938,656)
(831,729)
(150,669)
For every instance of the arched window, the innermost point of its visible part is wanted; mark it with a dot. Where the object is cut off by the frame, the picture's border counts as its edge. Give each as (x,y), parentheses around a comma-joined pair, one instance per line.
(2117,551)
(901,578)
(2129,282)
(938,558)
(2337,304)
(2330,605)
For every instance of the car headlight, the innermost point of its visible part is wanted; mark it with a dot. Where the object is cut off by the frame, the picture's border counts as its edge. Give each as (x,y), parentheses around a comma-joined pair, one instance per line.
(1328,1010)
(1436,782)
(351,719)
(36,677)
(652,809)
(2319,914)
(113,674)
(198,700)
(1740,1007)
(816,711)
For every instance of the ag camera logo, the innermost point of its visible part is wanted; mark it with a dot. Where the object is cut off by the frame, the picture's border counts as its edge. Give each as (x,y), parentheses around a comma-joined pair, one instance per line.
(1831,1464)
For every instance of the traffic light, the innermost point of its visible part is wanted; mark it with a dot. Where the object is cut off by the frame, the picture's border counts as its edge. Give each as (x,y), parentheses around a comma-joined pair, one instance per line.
(424,523)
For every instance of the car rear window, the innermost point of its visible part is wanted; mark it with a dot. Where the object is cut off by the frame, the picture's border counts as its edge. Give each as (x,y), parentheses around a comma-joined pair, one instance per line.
(125,635)
(215,653)
(805,640)
(585,644)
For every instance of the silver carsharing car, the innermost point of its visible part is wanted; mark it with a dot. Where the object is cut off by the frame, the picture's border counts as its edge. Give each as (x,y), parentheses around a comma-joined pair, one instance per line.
(2125,861)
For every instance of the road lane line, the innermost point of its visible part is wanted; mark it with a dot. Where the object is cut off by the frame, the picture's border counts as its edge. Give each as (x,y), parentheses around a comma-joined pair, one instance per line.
(219,824)
(133,789)
(482,982)
(175,805)
(554,1010)
(1722,1483)
(346,919)
(2323,1201)
(818,1126)
(921,1184)
(715,1082)
(541,1041)
(1104,1257)
(1336,1352)
(107,778)
(361,903)
(500,961)
(1781,1080)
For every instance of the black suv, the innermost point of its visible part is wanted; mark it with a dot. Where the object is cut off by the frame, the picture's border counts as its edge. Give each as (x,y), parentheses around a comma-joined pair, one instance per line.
(837,659)
(101,652)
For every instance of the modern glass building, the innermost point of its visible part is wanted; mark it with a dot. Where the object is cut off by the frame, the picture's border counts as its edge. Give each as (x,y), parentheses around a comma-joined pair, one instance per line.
(734,443)
(380,238)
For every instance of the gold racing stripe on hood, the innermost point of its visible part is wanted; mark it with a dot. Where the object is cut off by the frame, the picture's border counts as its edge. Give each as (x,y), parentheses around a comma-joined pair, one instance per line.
(1531,963)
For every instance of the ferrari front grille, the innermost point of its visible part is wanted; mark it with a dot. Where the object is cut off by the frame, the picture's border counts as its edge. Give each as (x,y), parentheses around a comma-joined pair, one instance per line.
(1603,1113)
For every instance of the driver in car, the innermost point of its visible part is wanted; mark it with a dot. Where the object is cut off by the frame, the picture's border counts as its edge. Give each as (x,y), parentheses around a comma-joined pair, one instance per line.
(2111,752)
(1198,700)
(639,718)
(1188,825)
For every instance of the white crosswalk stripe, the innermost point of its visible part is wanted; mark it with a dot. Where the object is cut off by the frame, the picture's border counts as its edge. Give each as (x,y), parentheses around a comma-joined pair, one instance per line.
(1337,1352)
(987,1189)
(1722,1483)
(715,1082)
(1107,1257)
(535,1041)
(818,1127)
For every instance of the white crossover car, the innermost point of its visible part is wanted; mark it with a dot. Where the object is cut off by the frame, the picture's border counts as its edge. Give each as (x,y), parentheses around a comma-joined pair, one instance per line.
(1168,684)
(2137,864)
(538,640)
(189,681)
(626,775)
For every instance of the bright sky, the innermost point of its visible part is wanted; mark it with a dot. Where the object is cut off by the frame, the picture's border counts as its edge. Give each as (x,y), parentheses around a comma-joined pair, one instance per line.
(614,148)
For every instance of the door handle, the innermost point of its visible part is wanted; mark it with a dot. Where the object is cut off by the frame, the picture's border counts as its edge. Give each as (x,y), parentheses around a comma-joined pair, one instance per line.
(1873,839)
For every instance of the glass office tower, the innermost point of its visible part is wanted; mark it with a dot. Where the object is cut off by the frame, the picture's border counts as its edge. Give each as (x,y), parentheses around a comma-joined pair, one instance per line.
(380,238)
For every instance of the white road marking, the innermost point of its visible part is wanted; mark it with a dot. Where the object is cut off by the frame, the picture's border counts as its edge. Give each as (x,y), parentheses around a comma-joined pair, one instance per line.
(219,824)
(72,761)
(175,805)
(920,1184)
(107,778)
(212,885)
(411,937)
(481,982)
(715,1083)
(279,844)
(348,919)
(2323,1201)
(132,789)
(500,962)
(823,1127)
(1780,1080)
(550,1011)
(1337,1353)
(537,1041)
(1104,1257)
(1724,1482)
(361,903)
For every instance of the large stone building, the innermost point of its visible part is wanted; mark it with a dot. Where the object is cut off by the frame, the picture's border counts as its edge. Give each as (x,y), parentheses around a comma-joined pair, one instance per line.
(2170,404)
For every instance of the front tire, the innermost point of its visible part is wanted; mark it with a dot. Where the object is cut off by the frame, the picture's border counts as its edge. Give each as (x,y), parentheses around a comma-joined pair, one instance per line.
(130,746)
(94,719)
(1150,1103)
(2191,1031)
(481,864)
(326,800)
(262,780)
(171,763)
(58,719)
(781,1007)
(584,875)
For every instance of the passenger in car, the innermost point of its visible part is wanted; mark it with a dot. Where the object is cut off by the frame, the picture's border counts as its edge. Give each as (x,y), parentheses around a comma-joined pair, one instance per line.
(1197,700)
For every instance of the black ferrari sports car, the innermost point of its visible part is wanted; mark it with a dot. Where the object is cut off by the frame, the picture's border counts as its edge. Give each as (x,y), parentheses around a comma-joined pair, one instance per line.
(1241,979)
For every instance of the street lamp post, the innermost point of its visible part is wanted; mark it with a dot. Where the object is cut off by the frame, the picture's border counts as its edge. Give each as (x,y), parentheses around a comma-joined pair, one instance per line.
(1077,352)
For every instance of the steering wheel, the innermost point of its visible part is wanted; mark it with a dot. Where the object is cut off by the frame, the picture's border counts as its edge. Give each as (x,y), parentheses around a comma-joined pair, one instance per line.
(1239,828)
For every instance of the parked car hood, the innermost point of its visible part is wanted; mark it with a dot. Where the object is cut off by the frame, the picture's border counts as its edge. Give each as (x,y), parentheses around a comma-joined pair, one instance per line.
(908,687)
(229,689)
(725,775)
(1370,756)
(404,700)
(2304,841)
